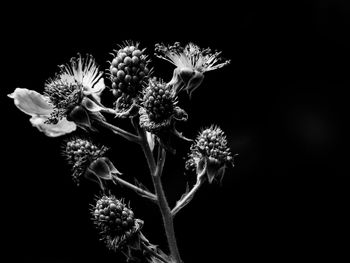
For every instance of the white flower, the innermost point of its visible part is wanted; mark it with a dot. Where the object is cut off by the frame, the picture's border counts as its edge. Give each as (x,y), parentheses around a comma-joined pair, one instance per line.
(191,63)
(72,94)
(37,106)
(85,72)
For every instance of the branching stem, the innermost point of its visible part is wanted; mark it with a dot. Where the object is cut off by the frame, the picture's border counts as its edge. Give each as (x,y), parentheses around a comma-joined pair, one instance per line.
(156,170)
(188,197)
(125,134)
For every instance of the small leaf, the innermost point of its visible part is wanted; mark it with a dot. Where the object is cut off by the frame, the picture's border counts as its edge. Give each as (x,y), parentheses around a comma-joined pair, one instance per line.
(111,166)
(101,168)
(213,167)
(79,115)
(151,140)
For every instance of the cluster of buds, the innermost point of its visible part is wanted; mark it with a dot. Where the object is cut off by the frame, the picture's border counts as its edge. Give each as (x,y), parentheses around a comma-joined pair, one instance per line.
(73,99)
(210,153)
(88,160)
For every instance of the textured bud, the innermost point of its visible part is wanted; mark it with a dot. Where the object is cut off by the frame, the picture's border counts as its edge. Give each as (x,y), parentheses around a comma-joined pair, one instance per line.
(210,152)
(129,69)
(159,106)
(116,222)
(81,153)
(158,101)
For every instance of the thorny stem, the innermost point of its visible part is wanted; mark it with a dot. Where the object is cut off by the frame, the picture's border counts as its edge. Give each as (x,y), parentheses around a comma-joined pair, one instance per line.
(156,171)
(125,134)
(142,192)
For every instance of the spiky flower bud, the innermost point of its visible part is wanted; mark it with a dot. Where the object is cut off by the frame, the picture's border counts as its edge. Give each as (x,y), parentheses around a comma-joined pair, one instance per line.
(88,160)
(129,69)
(159,106)
(158,101)
(210,152)
(116,222)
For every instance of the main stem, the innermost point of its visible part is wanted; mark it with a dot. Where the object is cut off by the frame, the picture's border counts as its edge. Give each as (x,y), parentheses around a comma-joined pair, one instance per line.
(156,172)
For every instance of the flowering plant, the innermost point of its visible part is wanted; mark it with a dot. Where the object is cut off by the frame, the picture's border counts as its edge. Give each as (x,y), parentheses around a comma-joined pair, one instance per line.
(72,100)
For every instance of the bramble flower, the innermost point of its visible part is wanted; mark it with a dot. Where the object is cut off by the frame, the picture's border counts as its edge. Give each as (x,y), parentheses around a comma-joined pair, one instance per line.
(70,98)
(118,227)
(88,160)
(129,71)
(191,63)
(159,107)
(210,152)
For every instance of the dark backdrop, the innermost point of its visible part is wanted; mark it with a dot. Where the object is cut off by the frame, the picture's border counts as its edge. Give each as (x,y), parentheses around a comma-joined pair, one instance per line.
(281,102)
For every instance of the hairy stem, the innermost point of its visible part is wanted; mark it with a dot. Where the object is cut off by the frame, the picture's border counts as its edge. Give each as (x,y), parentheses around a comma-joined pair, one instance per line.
(156,170)
(140,191)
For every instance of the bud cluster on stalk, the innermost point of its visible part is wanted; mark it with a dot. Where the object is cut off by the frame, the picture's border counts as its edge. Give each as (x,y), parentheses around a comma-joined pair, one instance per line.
(115,221)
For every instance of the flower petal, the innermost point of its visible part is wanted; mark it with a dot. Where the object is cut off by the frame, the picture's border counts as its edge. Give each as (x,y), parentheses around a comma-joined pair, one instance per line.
(96,90)
(53,130)
(31,102)
(99,86)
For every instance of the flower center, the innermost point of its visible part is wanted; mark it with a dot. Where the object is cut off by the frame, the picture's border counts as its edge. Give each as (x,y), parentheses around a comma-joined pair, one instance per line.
(64,96)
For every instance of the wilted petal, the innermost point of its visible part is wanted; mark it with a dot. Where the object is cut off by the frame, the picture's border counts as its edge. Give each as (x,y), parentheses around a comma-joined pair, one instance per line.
(31,102)
(53,130)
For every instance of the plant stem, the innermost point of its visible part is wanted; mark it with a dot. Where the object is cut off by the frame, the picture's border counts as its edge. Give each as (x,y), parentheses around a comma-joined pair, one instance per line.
(138,190)
(125,134)
(156,171)
(187,198)
(108,110)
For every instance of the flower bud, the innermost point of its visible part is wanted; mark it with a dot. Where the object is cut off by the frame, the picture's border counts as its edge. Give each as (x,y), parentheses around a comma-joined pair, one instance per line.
(88,159)
(129,69)
(210,154)
(159,107)
(116,222)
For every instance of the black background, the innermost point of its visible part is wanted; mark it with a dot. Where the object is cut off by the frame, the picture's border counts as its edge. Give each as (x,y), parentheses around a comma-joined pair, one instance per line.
(281,101)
